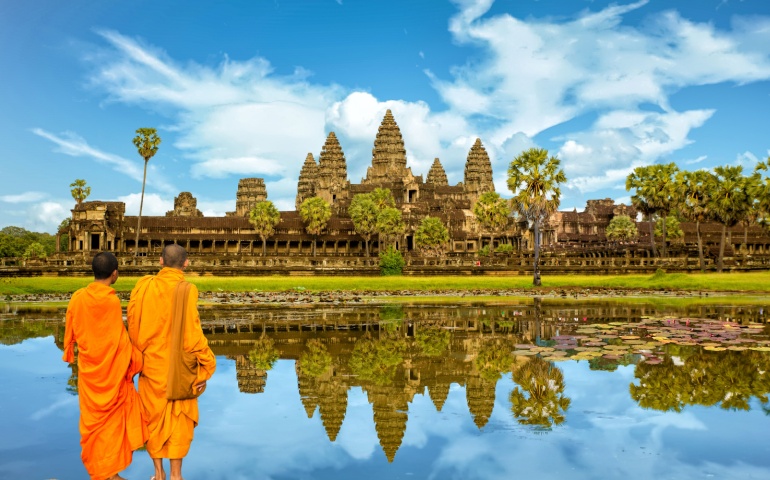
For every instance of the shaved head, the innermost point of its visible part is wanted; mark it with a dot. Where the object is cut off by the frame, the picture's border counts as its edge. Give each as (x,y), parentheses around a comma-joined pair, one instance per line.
(103,265)
(174,256)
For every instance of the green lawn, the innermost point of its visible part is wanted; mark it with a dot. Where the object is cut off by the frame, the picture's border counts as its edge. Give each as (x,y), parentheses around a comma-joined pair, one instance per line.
(757,282)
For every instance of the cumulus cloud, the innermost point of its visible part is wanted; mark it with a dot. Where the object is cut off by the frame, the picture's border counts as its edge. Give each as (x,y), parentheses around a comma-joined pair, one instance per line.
(154,204)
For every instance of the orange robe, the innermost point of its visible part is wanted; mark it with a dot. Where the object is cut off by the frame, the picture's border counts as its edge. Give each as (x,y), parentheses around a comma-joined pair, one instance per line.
(111,423)
(170,423)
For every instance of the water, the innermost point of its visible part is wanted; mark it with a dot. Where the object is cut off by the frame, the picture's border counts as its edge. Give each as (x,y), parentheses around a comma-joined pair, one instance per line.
(466,392)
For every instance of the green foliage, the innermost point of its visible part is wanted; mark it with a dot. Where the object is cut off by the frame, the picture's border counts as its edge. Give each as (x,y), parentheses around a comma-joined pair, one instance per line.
(146,142)
(656,191)
(382,198)
(264,217)
(14,242)
(376,360)
(673,229)
(315,360)
(315,213)
(492,360)
(79,190)
(390,224)
(484,251)
(264,355)
(621,229)
(504,249)
(492,212)
(363,212)
(431,237)
(433,342)
(34,250)
(391,262)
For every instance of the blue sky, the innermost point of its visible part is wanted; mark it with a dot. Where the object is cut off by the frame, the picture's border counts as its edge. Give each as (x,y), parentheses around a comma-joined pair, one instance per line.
(246,89)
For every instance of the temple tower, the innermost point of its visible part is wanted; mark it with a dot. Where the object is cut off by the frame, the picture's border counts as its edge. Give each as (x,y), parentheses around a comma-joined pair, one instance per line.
(250,192)
(308,178)
(185,205)
(388,154)
(480,395)
(478,173)
(332,181)
(437,175)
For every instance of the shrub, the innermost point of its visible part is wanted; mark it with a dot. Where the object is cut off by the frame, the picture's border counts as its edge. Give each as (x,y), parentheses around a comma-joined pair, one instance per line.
(391,262)
(505,249)
(484,251)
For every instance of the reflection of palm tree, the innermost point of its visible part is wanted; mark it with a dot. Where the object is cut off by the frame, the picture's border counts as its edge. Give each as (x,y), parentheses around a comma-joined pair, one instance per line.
(72,383)
(545,404)
(264,355)
(433,342)
(315,360)
(377,361)
(492,360)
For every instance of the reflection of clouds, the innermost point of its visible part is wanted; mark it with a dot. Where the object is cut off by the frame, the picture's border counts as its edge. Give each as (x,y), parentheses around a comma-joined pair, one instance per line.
(64,402)
(268,435)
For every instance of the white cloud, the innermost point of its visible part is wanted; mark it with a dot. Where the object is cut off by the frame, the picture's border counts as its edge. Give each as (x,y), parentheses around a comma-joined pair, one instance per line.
(74,145)
(154,204)
(23,197)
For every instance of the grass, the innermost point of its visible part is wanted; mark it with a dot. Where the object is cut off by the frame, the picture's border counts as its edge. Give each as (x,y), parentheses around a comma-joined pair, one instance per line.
(749,282)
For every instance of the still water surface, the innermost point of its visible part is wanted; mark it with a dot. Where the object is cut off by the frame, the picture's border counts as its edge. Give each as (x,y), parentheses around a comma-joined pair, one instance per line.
(579,390)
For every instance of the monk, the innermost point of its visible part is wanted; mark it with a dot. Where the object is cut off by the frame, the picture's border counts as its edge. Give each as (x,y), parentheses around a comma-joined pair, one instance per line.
(170,423)
(111,423)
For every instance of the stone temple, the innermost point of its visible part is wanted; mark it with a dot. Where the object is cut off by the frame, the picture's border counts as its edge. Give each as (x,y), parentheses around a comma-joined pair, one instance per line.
(99,225)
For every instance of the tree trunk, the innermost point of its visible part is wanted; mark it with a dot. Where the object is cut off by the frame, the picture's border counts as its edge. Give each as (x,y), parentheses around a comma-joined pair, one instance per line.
(745,245)
(720,264)
(264,246)
(536,278)
(366,245)
(665,238)
(652,235)
(700,247)
(139,219)
(315,240)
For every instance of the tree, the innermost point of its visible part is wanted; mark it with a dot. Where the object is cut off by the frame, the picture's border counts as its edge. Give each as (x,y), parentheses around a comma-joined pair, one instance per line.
(492,213)
(695,199)
(146,143)
(656,193)
(34,250)
(762,193)
(621,229)
(670,228)
(544,404)
(534,179)
(729,201)
(264,217)
(79,190)
(63,231)
(390,224)
(431,237)
(382,198)
(315,213)
(363,212)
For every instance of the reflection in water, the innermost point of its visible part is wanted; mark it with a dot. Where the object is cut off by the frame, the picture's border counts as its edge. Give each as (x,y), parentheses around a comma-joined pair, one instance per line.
(707,356)
(544,404)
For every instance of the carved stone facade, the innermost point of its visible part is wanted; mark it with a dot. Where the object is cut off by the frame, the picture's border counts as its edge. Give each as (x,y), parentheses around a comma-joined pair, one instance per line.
(250,192)
(185,205)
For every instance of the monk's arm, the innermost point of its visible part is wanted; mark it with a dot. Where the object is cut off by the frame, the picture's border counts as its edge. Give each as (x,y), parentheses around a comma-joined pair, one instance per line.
(195,341)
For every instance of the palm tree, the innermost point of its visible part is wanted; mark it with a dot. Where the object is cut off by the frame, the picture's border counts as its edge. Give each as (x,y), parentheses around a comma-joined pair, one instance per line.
(534,179)
(656,192)
(363,212)
(79,190)
(695,194)
(729,202)
(382,198)
(146,142)
(315,212)
(431,236)
(264,217)
(544,404)
(390,224)
(492,213)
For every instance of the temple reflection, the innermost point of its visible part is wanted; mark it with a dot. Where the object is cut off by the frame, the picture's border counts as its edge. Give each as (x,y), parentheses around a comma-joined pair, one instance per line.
(394,354)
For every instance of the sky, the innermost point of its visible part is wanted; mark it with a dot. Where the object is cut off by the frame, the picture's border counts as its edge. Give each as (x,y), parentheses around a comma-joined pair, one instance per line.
(244,88)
